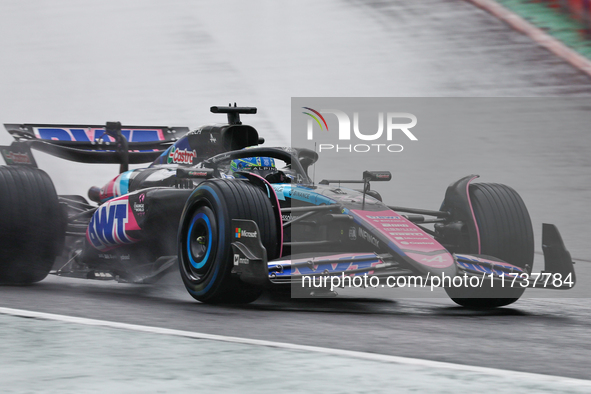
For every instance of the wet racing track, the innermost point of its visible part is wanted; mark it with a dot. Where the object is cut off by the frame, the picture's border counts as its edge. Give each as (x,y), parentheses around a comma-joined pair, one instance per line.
(166,65)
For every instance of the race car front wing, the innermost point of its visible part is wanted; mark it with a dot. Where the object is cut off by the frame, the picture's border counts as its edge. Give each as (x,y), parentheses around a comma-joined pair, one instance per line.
(251,264)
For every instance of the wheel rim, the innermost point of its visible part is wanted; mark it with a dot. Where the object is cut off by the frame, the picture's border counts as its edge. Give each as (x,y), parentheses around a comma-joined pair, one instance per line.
(200,244)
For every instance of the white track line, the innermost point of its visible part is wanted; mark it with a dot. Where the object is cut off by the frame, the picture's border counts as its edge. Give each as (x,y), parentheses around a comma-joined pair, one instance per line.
(579,383)
(552,44)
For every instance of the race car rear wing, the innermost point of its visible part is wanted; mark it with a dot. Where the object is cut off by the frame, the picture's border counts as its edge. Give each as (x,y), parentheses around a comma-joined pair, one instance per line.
(111,143)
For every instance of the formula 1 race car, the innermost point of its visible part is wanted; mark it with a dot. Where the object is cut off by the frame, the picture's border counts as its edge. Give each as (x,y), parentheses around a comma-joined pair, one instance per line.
(235,223)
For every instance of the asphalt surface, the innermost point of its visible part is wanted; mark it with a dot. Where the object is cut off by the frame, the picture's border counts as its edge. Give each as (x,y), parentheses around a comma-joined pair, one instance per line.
(541,336)
(159,360)
(166,64)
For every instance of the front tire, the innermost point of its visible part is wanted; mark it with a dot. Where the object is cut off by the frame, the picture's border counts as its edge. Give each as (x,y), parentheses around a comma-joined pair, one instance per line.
(32,225)
(506,233)
(205,234)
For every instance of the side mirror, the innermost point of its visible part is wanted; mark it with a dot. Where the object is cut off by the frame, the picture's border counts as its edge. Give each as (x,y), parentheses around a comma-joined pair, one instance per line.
(377,176)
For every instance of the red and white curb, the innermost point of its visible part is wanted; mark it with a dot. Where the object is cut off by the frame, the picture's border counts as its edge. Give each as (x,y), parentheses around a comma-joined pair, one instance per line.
(550,43)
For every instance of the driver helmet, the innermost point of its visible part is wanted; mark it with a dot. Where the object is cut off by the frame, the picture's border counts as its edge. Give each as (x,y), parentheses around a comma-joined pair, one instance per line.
(262,166)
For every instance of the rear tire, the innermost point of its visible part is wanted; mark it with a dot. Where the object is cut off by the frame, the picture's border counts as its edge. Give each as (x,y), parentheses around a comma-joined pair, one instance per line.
(205,234)
(506,233)
(32,225)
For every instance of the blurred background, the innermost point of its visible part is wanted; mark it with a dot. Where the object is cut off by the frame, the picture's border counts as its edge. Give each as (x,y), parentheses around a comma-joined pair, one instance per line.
(149,62)
(153,62)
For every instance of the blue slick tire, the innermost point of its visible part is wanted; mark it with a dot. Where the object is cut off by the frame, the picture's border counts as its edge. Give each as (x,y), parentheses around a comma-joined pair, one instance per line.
(205,234)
